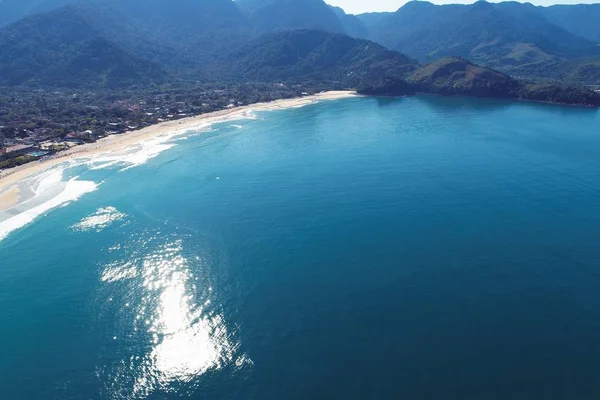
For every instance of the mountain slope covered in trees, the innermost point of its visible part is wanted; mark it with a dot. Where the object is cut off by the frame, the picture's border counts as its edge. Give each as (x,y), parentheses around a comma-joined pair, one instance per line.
(581,19)
(513,37)
(118,43)
(63,48)
(309,55)
(516,38)
(485,32)
(279,15)
(13,10)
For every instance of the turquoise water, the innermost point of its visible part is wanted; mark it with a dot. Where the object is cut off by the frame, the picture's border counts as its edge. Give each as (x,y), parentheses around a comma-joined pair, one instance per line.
(419,248)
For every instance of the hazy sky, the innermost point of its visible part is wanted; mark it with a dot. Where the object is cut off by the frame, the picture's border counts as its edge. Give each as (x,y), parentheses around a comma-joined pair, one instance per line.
(360,6)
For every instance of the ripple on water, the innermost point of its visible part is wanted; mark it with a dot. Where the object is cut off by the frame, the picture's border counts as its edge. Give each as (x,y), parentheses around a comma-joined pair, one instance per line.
(167,308)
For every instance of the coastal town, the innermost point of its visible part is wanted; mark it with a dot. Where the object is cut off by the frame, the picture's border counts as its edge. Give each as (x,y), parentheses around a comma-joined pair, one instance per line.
(37,124)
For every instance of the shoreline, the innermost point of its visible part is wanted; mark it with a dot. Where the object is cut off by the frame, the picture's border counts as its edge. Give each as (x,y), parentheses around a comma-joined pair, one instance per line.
(9,193)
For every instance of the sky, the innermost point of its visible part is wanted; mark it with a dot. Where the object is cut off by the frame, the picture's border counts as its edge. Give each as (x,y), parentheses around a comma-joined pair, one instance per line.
(361,6)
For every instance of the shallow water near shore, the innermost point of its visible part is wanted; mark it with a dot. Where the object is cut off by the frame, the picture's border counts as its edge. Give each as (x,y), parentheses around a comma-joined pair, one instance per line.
(423,247)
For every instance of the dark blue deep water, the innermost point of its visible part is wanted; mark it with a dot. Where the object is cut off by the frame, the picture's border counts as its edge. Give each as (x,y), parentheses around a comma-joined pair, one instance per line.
(418,248)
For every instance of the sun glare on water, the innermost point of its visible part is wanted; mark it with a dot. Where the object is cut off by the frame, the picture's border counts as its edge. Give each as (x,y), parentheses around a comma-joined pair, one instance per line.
(186,337)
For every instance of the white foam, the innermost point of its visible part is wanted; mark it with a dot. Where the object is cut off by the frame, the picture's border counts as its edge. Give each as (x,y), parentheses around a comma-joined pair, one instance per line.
(132,156)
(143,151)
(99,220)
(73,190)
(50,191)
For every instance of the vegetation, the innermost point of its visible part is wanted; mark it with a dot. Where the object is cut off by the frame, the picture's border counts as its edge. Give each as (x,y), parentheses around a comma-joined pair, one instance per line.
(32,116)
(511,37)
(100,67)
(581,70)
(15,162)
(64,49)
(317,56)
(562,94)
(580,19)
(456,76)
(267,16)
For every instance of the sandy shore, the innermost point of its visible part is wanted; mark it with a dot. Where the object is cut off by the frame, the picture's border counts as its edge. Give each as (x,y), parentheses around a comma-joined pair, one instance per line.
(9,198)
(9,178)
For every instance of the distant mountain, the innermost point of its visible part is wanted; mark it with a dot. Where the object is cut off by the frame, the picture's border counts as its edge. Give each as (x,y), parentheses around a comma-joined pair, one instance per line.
(178,19)
(280,15)
(309,55)
(184,37)
(13,10)
(502,35)
(193,38)
(372,20)
(64,48)
(91,46)
(352,25)
(118,43)
(580,19)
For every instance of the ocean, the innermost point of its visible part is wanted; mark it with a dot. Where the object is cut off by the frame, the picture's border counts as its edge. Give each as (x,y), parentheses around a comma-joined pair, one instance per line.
(413,248)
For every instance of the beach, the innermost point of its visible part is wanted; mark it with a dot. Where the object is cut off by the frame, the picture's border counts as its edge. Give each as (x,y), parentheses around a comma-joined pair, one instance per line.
(9,197)
(9,193)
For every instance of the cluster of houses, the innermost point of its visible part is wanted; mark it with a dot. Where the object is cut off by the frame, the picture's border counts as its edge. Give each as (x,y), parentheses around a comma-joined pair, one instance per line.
(63,122)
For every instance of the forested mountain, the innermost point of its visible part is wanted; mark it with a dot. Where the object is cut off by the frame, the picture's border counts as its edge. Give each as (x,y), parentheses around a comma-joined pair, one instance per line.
(200,40)
(69,47)
(352,25)
(279,15)
(185,36)
(454,75)
(512,37)
(577,71)
(262,16)
(13,10)
(192,38)
(114,43)
(580,19)
(309,55)
(64,47)
(457,76)
(503,34)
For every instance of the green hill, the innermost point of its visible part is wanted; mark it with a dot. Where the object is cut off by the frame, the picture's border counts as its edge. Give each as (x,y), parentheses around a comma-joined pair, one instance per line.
(456,76)
(123,43)
(280,15)
(308,55)
(581,70)
(453,75)
(500,35)
(64,48)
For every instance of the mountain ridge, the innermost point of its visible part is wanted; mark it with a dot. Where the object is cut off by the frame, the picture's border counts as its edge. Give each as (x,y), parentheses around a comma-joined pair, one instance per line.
(107,44)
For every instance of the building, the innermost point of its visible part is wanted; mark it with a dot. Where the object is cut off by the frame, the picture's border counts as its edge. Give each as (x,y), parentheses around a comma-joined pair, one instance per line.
(14,151)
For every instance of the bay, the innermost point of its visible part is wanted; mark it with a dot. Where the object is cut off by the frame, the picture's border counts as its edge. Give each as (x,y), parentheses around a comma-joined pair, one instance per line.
(422,247)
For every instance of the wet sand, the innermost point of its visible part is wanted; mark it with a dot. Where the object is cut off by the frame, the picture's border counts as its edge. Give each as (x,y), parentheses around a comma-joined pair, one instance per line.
(9,198)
